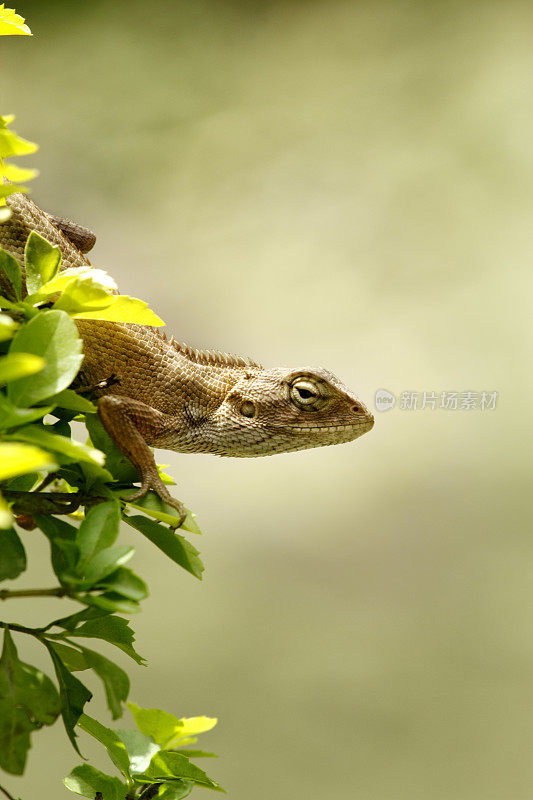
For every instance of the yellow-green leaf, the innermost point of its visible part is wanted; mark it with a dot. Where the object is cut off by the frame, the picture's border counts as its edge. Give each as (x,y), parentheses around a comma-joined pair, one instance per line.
(85,298)
(8,327)
(12,24)
(18,174)
(19,365)
(17,459)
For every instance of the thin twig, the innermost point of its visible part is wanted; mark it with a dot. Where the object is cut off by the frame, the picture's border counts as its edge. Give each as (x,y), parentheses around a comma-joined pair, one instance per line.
(49,502)
(14,626)
(7,794)
(7,594)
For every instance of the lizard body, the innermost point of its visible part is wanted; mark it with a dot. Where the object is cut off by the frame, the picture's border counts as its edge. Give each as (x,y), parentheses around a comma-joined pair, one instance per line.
(168,395)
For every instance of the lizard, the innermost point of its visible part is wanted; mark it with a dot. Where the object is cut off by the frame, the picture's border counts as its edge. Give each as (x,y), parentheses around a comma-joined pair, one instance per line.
(155,392)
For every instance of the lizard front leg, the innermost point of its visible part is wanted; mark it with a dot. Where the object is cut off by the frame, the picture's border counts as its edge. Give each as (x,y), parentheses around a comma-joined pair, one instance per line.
(131,424)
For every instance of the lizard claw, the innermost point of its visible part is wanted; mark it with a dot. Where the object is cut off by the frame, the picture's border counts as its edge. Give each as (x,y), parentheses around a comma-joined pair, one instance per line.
(157,486)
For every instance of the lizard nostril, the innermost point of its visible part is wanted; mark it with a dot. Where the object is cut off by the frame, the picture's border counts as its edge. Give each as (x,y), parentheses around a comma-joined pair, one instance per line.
(357,408)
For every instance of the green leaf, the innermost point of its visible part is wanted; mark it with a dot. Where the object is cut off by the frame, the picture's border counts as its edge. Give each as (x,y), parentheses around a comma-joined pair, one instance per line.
(112,629)
(105,563)
(155,507)
(8,327)
(73,659)
(126,583)
(98,531)
(115,747)
(6,517)
(28,700)
(176,790)
(118,465)
(11,267)
(19,365)
(166,729)
(12,24)
(110,601)
(85,298)
(73,694)
(11,416)
(88,781)
(66,449)
(116,682)
(166,765)
(62,538)
(12,555)
(16,459)
(42,261)
(140,749)
(172,544)
(73,402)
(54,337)
(195,753)
(71,622)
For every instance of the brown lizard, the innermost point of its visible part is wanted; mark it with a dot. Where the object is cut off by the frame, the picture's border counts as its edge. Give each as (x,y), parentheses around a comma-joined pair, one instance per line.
(169,395)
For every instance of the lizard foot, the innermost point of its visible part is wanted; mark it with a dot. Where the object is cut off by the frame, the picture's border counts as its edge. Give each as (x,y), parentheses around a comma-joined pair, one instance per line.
(156,485)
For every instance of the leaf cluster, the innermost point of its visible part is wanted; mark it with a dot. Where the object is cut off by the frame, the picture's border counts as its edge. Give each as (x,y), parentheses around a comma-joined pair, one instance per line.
(45,473)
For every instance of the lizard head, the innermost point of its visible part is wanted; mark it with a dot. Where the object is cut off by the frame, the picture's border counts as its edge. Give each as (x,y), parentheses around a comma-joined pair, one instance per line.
(279,410)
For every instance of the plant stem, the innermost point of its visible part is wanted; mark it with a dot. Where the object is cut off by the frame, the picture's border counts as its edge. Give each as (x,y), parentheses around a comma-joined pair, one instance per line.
(49,502)
(59,591)
(7,794)
(14,626)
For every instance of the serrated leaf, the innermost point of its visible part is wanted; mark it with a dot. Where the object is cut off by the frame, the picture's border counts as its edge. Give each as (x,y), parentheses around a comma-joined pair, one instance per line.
(28,700)
(11,267)
(112,629)
(116,682)
(65,449)
(19,365)
(12,555)
(73,694)
(115,747)
(16,459)
(176,547)
(42,261)
(88,782)
(54,337)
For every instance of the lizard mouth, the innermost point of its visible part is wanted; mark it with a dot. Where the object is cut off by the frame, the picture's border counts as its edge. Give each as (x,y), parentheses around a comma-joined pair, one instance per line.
(363,426)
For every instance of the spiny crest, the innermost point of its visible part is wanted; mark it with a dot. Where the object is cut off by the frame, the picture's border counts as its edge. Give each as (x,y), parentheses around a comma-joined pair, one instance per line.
(210,357)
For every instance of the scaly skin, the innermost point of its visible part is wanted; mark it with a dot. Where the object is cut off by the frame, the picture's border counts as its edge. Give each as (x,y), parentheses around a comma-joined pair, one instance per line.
(171,396)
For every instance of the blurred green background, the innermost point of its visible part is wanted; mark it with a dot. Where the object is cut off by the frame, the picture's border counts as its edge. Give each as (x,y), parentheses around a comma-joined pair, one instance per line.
(346,184)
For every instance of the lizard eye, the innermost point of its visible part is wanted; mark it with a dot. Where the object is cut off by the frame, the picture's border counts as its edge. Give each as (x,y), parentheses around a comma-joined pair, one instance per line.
(304,393)
(247,409)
